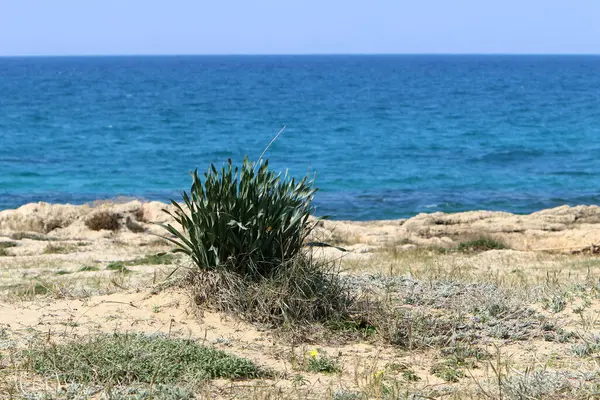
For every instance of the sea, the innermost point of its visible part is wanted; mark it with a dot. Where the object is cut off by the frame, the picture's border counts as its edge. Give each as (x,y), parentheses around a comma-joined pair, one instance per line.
(384,136)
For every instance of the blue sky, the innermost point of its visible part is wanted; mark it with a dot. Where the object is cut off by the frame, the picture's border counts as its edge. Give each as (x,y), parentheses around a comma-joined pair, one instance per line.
(87,27)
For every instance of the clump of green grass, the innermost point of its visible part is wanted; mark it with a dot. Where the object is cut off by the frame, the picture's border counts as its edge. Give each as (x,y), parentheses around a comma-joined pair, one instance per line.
(153,259)
(103,220)
(481,244)
(31,290)
(88,268)
(317,361)
(448,371)
(62,272)
(321,362)
(7,245)
(118,359)
(118,266)
(4,253)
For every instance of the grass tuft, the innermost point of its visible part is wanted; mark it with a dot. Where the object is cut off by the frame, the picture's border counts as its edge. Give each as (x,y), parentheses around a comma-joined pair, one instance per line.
(118,359)
(153,259)
(59,249)
(322,363)
(118,266)
(481,244)
(88,268)
(299,293)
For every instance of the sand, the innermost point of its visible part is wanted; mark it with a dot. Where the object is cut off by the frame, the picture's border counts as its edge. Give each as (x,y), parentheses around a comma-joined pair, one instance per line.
(54,281)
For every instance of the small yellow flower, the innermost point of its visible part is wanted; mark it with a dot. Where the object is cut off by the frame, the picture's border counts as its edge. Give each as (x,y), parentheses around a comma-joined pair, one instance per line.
(379,373)
(314,353)
(269,228)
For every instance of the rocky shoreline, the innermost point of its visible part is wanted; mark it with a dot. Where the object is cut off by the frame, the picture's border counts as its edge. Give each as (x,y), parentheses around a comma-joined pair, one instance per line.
(560,229)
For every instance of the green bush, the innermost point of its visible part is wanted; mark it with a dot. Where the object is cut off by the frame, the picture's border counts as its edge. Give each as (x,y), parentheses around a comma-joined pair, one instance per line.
(250,220)
(481,244)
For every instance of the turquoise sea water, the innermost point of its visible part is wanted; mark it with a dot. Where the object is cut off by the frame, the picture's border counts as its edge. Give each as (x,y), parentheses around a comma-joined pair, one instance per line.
(388,136)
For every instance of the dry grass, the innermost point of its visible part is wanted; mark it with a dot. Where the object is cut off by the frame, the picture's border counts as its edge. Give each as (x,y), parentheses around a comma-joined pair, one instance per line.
(103,220)
(59,248)
(302,293)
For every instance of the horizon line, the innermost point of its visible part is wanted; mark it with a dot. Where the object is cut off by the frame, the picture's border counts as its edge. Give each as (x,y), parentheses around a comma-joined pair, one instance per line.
(283,54)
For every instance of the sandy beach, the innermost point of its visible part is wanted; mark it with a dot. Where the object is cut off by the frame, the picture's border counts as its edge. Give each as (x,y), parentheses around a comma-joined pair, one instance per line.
(60,280)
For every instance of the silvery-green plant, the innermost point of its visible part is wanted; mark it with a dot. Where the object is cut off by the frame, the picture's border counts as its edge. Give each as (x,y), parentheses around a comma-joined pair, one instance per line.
(249,219)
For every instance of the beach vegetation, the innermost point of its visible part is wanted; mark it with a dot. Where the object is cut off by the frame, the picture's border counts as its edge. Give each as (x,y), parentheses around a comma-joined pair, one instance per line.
(480,244)
(250,220)
(118,266)
(115,359)
(103,220)
(244,229)
(59,249)
(153,259)
(299,295)
(319,361)
(88,268)
(150,259)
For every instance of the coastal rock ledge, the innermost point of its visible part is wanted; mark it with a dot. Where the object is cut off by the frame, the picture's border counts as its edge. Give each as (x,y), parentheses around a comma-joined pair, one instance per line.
(560,229)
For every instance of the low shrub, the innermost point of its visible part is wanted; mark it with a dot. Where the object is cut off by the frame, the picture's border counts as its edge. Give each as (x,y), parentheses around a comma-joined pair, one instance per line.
(481,244)
(103,220)
(132,358)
